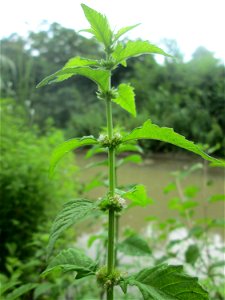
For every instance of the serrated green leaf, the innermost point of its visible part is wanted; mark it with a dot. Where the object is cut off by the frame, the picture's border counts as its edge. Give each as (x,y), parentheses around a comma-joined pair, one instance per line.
(124,30)
(133,49)
(165,282)
(72,213)
(164,134)
(68,146)
(80,62)
(100,77)
(126,98)
(72,260)
(192,254)
(99,25)
(23,289)
(137,195)
(134,246)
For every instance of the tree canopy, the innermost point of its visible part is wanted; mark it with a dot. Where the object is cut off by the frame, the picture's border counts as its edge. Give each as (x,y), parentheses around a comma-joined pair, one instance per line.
(188,96)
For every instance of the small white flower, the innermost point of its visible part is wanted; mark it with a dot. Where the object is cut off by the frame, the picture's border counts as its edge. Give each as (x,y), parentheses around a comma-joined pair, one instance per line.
(122,202)
(118,136)
(102,138)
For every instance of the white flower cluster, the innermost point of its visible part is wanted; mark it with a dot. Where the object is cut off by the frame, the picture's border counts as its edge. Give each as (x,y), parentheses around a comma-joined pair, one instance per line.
(119,201)
(117,136)
(106,142)
(102,138)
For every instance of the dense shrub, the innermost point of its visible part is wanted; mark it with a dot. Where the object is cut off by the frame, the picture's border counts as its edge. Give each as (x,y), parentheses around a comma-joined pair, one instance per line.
(28,197)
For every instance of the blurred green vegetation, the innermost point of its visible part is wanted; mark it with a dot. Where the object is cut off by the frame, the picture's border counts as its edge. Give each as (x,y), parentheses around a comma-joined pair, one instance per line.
(29,199)
(188,96)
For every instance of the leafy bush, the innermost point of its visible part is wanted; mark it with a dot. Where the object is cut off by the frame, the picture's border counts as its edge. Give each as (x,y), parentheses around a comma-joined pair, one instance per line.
(28,197)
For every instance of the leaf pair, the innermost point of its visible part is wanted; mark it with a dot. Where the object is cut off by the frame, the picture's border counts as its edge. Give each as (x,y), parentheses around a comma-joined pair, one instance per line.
(147,131)
(162,282)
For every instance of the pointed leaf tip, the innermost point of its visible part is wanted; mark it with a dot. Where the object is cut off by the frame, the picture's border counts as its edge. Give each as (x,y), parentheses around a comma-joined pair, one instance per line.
(152,131)
(124,30)
(99,25)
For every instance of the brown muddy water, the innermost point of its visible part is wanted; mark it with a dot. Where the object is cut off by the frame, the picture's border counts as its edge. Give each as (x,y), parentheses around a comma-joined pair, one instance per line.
(156,173)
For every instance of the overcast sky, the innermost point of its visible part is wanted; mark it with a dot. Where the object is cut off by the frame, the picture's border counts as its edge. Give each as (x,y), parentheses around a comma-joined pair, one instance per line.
(191,23)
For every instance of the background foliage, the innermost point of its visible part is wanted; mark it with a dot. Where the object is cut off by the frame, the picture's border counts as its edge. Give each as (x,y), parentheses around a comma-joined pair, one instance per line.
(188,96)
(28,197)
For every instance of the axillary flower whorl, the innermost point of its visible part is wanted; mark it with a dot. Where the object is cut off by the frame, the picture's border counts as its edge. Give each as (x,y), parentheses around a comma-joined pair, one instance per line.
(105,141)
(117,203)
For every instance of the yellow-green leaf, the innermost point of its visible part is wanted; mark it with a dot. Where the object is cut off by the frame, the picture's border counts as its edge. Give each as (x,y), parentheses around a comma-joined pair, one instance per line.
(99,25)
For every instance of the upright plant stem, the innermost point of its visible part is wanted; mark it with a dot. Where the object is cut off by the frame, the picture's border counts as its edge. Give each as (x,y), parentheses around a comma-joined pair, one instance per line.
(117,221)
(111,217)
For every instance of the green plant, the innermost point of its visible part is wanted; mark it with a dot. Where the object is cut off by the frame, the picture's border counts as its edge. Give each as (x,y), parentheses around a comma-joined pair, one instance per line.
(154,282)
(23,281)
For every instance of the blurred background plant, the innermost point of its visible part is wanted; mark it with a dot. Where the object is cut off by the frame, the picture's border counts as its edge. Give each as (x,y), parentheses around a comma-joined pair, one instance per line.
(29,199)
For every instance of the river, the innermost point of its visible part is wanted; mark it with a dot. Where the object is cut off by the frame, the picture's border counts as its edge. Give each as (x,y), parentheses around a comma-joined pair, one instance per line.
(156,173)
